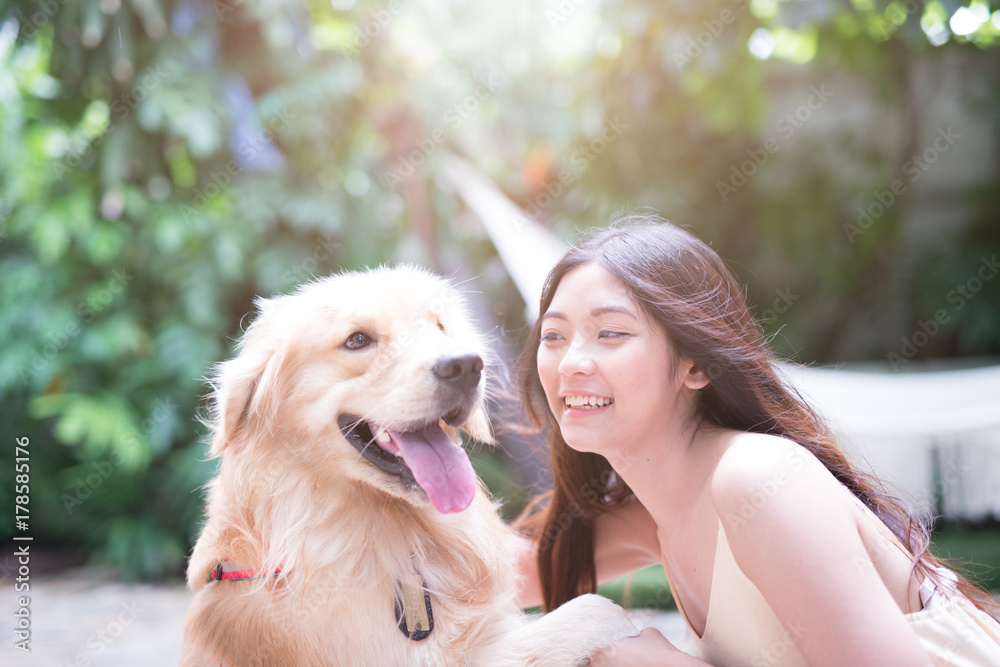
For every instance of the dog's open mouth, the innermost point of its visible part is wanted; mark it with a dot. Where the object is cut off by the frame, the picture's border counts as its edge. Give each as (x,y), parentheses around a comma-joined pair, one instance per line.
(424,456)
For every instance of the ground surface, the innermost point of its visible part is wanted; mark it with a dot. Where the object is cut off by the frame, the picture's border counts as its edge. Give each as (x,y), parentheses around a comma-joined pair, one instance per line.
(81,618)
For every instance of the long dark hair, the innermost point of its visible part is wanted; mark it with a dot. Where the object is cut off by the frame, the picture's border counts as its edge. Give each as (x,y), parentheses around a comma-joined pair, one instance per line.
(684,286)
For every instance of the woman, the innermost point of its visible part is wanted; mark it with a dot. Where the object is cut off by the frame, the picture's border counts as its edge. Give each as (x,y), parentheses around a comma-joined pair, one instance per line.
(674,441)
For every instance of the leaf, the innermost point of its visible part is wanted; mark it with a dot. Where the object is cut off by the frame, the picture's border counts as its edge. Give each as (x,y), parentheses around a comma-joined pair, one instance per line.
(103,426)
(114,338)
(50,237)
(68,216)
(104,243)
(141,549)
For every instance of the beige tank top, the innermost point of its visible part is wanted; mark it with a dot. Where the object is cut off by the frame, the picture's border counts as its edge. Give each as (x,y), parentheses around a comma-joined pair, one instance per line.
(741,630)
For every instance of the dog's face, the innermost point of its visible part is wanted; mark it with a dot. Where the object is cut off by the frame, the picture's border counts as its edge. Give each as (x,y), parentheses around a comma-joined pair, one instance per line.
(366,376)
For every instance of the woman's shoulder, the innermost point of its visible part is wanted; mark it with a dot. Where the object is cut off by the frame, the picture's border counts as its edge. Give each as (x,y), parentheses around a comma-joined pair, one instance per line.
(753,466)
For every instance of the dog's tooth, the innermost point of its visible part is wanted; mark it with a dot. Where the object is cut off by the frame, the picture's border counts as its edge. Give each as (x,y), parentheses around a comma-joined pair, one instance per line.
(383,436)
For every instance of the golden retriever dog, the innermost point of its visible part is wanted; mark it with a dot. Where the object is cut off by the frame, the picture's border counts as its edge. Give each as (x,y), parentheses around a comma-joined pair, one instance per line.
(346,525)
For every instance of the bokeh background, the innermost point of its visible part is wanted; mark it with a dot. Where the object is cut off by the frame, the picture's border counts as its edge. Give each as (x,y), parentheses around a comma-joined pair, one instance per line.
(164,161)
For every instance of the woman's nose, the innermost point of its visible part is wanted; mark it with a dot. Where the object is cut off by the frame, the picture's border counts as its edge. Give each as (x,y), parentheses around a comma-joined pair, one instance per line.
(577,359)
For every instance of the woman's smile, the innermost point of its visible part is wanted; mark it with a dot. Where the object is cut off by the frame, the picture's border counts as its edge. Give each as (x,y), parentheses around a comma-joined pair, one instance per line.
(582,405)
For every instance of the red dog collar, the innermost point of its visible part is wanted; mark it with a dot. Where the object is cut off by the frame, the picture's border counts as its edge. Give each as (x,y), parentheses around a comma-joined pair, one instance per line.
(227,570)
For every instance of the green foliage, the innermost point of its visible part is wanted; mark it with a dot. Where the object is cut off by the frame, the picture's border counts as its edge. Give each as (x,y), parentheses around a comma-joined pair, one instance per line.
(975,549)
(151,183)
(646,589)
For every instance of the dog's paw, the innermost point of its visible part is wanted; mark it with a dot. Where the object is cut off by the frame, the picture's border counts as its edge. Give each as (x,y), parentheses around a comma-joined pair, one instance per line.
(574,632)
(604,621)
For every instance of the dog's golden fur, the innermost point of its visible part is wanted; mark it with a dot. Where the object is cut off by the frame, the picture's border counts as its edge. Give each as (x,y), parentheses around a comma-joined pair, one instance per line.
(293,493)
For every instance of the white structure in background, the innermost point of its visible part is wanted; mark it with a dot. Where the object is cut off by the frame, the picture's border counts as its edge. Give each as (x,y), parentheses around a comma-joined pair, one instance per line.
(934,435)
(526,249)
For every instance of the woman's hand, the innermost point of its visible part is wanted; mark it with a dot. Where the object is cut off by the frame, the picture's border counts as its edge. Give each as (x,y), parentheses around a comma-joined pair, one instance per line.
(649,647)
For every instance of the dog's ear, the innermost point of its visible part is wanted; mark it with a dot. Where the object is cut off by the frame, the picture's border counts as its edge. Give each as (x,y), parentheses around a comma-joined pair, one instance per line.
(478,426)
(247,387)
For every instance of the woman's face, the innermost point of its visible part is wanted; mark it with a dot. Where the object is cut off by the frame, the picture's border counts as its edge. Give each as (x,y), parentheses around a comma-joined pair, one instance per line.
(605,367)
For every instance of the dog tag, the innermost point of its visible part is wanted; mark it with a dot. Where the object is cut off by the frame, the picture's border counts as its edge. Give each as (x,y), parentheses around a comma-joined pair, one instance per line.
(415,619)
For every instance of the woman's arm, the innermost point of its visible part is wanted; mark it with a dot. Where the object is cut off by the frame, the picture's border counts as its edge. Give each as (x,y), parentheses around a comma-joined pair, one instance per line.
(792,531)
(624,541)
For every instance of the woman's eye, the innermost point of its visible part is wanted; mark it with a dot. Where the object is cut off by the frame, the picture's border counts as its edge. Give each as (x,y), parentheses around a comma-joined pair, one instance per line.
(612,334)
(357,340)
(550,337)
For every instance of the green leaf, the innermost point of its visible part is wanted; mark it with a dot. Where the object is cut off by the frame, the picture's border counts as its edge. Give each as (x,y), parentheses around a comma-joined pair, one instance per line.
(141,549)
(104,243)
(102,426)
(50,237)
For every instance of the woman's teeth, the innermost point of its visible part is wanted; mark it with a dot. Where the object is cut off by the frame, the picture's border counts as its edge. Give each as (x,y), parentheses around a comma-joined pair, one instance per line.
(587,402)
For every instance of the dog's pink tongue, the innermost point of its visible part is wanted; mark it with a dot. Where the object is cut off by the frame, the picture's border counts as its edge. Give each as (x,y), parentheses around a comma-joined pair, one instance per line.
(440,466)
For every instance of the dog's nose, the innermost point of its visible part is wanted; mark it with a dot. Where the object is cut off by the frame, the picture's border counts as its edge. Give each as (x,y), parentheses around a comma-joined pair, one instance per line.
(461,372)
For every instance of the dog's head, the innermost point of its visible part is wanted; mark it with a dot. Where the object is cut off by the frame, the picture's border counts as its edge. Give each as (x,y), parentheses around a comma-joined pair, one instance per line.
(364,375)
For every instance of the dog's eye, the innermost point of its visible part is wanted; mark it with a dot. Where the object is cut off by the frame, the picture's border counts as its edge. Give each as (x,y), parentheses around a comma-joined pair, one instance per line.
(440,326)
(357,340)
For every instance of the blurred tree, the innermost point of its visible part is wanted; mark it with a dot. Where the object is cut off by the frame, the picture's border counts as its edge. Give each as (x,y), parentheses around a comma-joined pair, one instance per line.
(162,163)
